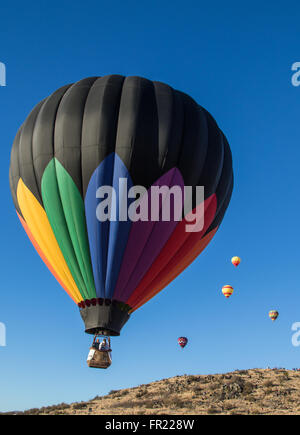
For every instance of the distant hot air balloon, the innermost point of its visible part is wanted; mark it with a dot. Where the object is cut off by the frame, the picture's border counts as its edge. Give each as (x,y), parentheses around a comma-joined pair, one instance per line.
(182,341)
(235,261)
(273,314)
(116,132)
(227,290)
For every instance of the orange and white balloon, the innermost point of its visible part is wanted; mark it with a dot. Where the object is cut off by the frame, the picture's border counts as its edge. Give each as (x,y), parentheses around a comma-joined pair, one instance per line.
(235,261)
(227,290)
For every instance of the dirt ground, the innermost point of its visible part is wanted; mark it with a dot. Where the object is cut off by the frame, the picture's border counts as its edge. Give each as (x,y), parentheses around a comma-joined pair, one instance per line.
(254,391)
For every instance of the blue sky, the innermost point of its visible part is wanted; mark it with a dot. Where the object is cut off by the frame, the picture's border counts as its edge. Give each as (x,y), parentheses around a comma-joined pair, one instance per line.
(235,60)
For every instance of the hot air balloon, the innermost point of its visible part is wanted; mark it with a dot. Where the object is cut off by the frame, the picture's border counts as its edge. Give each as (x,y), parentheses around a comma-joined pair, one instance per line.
(227,290)
(182,341)
(235,261)
(75,163)
(273,314)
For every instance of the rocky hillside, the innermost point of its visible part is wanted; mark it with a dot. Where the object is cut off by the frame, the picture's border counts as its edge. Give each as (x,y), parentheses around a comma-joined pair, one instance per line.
(255,391)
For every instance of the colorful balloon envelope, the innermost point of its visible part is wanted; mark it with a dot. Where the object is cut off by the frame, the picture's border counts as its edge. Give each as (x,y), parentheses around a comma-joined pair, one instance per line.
(116,132)
(182,341)
(235,261)
(273,314)
(227,290)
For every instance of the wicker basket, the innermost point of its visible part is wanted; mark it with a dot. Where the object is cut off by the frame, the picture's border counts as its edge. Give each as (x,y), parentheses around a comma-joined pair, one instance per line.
(99,359)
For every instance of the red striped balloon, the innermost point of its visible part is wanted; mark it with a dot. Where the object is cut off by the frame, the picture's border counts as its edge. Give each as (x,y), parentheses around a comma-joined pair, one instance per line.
(182,341)
(227,290)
